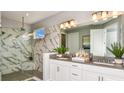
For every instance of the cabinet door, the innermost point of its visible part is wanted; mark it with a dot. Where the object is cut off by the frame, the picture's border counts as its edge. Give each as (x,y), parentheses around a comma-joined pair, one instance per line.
(65,73)
(46,66)
(52,71)
(91,76)
(62,73)
(0,76)
(59,72)
(111,78)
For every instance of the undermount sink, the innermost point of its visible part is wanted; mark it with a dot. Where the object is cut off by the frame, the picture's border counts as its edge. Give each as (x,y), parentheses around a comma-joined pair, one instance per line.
(101,63)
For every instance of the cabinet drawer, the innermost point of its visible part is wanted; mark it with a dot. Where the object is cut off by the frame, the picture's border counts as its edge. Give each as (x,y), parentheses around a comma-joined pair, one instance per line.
(75,74)
(76,65)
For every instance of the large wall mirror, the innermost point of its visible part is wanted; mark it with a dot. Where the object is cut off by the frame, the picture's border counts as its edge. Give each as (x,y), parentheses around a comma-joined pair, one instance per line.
(103,38)
(95,38)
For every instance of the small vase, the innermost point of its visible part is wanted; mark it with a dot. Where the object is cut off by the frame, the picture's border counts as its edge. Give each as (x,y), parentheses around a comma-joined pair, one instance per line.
(119,61)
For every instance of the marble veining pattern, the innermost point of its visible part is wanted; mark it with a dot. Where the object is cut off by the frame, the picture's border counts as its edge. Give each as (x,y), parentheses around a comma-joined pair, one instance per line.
(14,51)
(51,41)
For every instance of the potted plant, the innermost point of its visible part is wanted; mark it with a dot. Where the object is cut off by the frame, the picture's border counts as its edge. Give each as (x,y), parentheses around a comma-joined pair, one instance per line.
(117,50)
(61,50)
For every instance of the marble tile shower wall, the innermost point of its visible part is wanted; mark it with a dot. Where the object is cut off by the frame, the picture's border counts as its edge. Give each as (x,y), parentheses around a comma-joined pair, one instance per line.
(51,41)
(15,51)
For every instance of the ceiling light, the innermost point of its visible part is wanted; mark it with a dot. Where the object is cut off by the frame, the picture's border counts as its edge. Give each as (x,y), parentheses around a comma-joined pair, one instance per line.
(104,15)
(68,24)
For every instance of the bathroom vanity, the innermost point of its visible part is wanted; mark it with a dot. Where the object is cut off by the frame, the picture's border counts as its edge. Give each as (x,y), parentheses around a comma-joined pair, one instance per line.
(56,69)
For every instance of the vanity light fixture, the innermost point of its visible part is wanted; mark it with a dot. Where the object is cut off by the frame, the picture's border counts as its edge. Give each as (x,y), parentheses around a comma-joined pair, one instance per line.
(104,15)
(68,24)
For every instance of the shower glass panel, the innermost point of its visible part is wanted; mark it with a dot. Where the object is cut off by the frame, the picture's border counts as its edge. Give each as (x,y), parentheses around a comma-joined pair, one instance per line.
(15,51)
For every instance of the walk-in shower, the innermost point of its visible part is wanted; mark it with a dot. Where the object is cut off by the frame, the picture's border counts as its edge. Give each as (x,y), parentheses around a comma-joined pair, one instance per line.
(15,51)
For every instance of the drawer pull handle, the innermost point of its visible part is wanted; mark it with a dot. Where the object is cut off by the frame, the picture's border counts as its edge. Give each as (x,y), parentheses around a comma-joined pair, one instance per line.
(74,74)
(57,69)
(74,65)
(98,78)
(102,78)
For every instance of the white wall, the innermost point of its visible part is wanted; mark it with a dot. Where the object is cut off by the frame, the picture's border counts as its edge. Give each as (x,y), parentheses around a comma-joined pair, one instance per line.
(13,24)
(82,17)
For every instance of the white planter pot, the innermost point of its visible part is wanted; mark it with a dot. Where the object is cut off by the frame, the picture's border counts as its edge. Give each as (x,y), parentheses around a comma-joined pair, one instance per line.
(118,61)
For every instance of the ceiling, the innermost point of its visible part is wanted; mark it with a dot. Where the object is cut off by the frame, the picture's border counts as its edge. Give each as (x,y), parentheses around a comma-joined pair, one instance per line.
(33,16)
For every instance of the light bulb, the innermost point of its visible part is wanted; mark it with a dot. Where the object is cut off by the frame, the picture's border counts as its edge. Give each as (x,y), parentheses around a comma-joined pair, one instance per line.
(61,26)
(115,14)
(104,15)
(94,16)
(66,24)
(69,26)
(96,21)
(72,23)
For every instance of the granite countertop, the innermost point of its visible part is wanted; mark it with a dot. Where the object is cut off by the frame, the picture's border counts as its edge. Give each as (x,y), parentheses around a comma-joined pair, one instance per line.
(114,66)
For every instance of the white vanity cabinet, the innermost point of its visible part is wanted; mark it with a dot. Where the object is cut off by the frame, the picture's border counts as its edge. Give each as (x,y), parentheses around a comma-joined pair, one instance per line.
(64,71)
(58,71)
(106,77)
(0,77)
(95,73)
(69,71)
(95,76)
(52,71)
(75,71)
(90,76)
(46,66)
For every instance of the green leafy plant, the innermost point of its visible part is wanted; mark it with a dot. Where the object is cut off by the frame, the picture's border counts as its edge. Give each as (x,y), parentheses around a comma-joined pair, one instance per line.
(117,50)
(61,50)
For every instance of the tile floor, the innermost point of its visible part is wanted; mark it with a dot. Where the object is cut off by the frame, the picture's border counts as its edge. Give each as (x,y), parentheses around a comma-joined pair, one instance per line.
(20,76)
